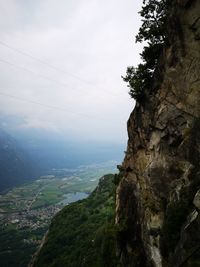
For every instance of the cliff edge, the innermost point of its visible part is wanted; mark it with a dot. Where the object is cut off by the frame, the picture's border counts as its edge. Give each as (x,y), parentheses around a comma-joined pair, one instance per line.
(158,197)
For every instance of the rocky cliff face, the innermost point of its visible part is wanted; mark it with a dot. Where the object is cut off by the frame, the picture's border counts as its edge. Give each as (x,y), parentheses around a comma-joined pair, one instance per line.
(158,197)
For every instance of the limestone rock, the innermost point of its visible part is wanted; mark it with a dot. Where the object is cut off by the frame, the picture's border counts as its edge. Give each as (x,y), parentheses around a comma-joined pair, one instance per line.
(161,172)
(196,200)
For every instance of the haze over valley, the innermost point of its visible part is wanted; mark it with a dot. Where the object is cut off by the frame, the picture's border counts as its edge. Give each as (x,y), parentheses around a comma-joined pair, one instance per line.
(63,116)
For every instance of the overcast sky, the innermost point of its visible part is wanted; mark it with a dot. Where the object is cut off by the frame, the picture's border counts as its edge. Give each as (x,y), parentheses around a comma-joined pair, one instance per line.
(68,56)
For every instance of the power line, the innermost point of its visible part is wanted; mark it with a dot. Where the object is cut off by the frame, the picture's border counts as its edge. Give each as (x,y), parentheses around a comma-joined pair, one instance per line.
(32,72)
(43,62)
(49,106)
(40,75)
(52,66)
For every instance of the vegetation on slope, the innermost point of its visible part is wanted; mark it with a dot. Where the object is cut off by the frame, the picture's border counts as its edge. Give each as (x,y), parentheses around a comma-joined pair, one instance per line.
(15,250)
(154,33)
(83,233)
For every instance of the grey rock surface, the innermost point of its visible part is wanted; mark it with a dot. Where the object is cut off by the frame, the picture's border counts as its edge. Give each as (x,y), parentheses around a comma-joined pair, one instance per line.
(161,173)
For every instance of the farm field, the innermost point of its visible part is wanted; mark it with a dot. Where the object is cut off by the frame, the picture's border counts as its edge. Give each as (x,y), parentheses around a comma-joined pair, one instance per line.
(26,211)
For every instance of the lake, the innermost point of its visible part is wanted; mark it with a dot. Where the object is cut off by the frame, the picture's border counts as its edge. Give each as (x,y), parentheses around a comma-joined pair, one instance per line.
(72,197)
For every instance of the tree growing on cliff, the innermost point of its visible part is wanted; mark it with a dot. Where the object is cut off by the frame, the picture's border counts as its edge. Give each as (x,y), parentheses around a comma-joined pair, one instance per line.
(154,33)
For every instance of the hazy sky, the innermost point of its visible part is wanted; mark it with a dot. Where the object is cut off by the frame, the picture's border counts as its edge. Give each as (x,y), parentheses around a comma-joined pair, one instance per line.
(68,55)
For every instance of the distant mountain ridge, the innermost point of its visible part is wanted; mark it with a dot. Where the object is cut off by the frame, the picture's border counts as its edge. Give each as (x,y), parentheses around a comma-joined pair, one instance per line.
(15,165)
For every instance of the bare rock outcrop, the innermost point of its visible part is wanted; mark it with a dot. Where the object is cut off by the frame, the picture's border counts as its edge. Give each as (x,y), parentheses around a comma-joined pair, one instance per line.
(157,211)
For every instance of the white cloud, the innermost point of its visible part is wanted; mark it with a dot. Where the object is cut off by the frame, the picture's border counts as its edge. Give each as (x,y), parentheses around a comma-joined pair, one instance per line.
(92,40)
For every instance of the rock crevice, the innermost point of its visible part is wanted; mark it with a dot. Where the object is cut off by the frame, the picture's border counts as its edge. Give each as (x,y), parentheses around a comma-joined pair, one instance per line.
(158,194)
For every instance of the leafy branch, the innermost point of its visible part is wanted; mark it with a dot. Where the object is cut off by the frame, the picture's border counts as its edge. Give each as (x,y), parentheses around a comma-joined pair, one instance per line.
(153,32)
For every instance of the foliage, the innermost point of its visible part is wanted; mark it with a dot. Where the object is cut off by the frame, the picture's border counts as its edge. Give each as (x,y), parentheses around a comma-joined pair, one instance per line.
(154,33)
(83,233)
(13,248)
(175,216)
(153,26)
(118,178)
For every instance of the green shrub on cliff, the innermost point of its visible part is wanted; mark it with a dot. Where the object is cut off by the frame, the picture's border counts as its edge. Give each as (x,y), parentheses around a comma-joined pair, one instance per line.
(83,233)
(154,33)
